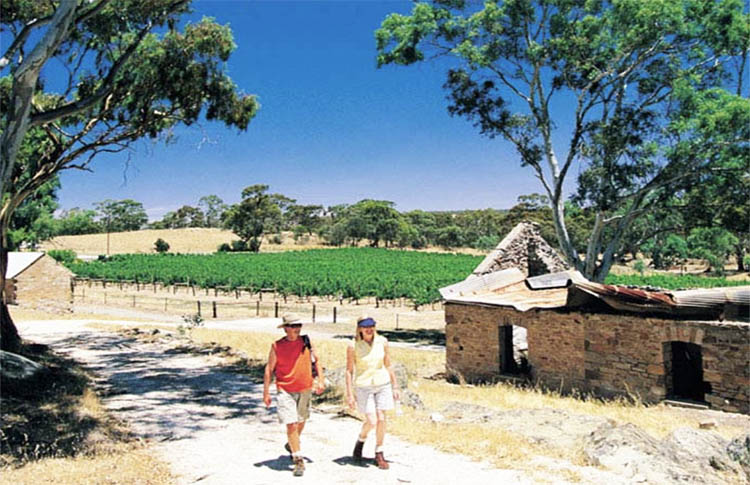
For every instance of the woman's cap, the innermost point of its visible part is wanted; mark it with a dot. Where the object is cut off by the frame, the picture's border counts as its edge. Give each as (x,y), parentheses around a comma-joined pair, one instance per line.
(366,322)
(289,319)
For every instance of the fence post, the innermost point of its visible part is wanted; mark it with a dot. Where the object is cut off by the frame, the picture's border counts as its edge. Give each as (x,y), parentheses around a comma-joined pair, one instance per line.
(105,297)
(276,309)
(214,305)
(334,314)
(165,304)
(199,307)
(257,308)
(313,313)
(133,301)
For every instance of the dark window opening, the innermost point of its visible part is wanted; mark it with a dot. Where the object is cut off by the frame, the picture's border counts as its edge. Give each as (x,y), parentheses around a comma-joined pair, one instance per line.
(513,350)
(684,366)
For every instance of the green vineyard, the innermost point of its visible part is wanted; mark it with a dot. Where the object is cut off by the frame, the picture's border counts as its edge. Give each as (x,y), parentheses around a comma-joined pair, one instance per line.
(348,273)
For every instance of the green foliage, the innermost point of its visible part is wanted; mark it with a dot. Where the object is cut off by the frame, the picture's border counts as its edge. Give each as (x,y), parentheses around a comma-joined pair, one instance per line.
(714,245)
(255,214)
(76,221)
(640,266)
(671,282)
(653,91)
(121,215)
(32,221)
(161,246)
(64,256)
(349,273)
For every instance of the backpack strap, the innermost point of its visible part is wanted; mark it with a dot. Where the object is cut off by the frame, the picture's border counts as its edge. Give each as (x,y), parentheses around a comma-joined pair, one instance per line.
(306,341)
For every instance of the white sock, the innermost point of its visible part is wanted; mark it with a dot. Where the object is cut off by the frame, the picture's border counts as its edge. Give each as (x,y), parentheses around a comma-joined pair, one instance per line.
(378,449)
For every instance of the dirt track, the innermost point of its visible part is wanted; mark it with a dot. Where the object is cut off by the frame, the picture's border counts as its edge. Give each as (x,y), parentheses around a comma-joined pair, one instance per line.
(212,428)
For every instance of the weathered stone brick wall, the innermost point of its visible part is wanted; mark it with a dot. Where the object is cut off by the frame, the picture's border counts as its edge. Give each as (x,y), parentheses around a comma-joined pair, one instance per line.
(607,354)
(473,345)
(556,349)
(45,285)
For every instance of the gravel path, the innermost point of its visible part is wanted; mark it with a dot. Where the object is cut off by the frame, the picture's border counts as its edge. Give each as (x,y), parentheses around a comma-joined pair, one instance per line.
(212,428)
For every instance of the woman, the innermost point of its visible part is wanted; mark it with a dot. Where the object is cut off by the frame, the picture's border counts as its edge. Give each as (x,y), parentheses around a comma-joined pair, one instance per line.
(371,384)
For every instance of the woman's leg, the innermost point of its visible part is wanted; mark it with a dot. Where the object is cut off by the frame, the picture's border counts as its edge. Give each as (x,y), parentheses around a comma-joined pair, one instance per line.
(380,428)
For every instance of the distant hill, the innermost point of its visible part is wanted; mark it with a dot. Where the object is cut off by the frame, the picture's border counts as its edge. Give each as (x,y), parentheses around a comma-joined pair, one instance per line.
(189,240)
(193,240)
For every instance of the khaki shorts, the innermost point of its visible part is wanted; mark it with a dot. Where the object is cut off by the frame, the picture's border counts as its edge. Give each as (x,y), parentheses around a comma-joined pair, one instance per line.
(293,407)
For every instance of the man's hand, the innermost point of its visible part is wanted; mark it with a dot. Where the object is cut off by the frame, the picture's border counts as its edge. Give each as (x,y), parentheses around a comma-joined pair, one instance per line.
(267,399)
(320,386)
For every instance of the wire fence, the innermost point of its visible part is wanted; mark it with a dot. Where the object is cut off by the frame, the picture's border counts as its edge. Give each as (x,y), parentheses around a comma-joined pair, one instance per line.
(226,303)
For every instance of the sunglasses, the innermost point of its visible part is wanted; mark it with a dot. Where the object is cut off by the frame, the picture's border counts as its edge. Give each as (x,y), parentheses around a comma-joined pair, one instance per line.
(294,325)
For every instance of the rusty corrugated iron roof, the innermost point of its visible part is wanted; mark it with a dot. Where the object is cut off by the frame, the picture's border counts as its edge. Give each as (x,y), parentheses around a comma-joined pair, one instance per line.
(570,289)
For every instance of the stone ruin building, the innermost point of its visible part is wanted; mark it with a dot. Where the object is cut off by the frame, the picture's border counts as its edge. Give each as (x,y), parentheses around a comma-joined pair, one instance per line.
(36,280)
(691,346)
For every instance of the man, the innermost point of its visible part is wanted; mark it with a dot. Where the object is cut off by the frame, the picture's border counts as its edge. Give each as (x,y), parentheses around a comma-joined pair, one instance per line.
(290,360)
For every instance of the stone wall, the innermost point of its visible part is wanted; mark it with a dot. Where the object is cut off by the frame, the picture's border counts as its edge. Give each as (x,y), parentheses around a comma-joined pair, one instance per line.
(45,285)
(607,354)
(523,248)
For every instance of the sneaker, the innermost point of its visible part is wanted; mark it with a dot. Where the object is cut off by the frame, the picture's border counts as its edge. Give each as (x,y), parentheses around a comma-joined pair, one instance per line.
(299,467)
(288,448)
(357,453)
(380,460)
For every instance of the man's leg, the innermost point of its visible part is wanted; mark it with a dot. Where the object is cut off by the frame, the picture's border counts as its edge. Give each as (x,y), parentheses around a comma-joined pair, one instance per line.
(292,435)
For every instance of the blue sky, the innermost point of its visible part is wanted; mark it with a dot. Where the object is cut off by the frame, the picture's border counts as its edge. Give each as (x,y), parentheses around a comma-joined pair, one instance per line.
(332,128)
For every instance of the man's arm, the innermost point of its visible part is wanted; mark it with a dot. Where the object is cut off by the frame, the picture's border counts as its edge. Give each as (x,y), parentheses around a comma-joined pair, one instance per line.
(270,367)
(321,384)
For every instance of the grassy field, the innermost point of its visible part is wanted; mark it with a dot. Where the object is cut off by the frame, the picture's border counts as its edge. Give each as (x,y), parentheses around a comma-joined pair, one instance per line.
(185,241)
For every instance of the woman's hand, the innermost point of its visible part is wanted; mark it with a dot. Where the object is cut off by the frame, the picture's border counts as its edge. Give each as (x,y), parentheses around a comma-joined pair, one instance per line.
(396,394)
(351,402)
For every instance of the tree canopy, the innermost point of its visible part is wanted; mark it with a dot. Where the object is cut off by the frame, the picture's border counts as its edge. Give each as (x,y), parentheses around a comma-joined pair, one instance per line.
(129,73)
(645,94)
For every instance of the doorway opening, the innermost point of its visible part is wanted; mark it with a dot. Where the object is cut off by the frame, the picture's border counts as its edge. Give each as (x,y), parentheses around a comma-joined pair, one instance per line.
(684,371)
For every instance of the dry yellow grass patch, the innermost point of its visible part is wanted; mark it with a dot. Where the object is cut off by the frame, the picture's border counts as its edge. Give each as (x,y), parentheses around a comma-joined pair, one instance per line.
(126,464)
(188,240)
(657,420)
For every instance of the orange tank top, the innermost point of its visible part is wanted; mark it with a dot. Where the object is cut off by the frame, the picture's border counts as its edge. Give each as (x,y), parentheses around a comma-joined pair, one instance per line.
(293,366)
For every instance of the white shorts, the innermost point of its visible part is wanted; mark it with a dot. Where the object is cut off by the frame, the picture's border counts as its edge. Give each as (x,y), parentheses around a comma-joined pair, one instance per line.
(374,398)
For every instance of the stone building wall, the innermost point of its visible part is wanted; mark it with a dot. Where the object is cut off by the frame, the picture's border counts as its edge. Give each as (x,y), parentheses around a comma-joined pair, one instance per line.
(45,285)
(607,354)
(523,248)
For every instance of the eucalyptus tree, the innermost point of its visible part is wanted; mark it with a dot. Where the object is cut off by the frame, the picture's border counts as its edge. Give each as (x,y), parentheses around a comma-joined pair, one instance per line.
(257,213)
(634,95)
(128,73)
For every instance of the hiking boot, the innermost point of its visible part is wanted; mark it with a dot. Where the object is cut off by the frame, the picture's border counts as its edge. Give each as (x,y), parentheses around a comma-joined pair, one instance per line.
(380,460)
(357,453)
(288,448)
(299,467)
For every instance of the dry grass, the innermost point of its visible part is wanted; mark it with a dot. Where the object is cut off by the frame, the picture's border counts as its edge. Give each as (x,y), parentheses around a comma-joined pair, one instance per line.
(190,240)
(126,464)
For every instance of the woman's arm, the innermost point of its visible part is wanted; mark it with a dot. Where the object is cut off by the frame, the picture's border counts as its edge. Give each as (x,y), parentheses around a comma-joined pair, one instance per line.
(387,365)
(349,377)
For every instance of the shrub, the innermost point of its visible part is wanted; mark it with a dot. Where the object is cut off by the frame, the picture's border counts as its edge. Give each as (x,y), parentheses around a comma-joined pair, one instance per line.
(63,256)
(224,248)
(239,245)
(161,246)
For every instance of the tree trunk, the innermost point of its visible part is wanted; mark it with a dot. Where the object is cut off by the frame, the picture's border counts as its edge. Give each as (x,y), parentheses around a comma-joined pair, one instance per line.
(10,341)
(739,251)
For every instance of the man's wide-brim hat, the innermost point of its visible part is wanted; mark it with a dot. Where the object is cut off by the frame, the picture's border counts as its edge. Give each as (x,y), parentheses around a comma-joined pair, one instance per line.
(289,320)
